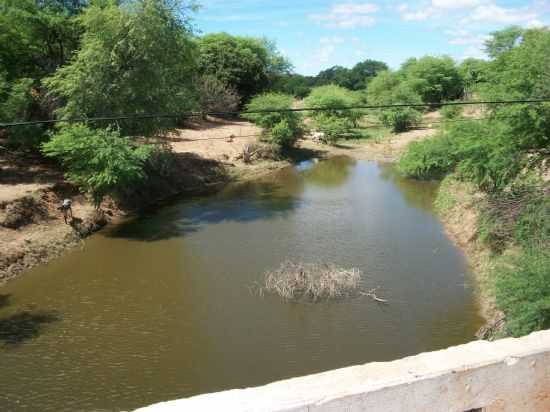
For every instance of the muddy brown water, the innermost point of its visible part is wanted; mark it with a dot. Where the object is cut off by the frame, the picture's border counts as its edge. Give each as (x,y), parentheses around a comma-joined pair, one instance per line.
(160,307)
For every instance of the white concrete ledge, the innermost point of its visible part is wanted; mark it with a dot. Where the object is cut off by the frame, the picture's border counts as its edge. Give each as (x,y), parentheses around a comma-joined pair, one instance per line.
(509,375)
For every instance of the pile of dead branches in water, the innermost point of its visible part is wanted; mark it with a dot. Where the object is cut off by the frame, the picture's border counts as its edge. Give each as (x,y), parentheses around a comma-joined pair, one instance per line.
(311,282)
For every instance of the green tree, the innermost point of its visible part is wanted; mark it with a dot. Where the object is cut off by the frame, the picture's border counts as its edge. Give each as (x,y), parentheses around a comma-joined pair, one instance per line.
(281,127)
(335,120)
(248,65)
(503,40)
(37,37)
(136,58)
(98,161)
(389,88)
(435,79)
(473,73)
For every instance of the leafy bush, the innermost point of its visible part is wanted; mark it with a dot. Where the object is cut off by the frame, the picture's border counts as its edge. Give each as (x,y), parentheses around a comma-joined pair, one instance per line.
(523,292)
(333,122)
(15,105)
(481,152)
(533,224)
(98,161)
(435,79)
(451,112)
(282,134)
(286,125)
(391,88)
(430,158)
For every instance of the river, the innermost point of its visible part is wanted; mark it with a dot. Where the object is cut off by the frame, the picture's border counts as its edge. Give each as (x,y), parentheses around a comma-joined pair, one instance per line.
(163,306)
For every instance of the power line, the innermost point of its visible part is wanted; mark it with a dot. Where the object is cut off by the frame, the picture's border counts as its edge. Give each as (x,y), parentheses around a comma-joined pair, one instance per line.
(244,112)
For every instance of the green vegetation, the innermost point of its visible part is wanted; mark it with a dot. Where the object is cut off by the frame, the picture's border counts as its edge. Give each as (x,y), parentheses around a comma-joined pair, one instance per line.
(100,162)
(501,156)
(246,64)
(390,88)
(282,128)
(356,78)
(335,122)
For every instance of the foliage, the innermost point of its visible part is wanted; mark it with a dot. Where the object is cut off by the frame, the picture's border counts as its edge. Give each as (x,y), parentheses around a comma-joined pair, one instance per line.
(246,64)
(523,291)
(390,88)
(451,112)
(135,58)
(294,84)
(333,121)
(490,163)
(473,73)
(503,40)
(522,73)
(435,79)
(283,134)
(355,78)
(284,127)
(98,161)
(37,37)
(215,96)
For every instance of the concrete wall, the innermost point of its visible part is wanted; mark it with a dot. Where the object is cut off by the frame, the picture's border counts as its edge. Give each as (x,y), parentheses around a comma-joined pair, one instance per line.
(508,375)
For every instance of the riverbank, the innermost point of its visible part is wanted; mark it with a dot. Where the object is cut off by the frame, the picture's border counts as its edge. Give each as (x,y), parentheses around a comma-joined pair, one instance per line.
(458,206)
(208,155)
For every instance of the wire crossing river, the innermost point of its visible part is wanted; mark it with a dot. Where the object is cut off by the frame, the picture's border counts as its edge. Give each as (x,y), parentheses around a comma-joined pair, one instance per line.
(161,308)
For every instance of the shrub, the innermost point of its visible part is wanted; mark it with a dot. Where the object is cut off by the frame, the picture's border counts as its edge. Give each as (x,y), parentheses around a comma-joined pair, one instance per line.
(391,88)
(282,134)
(523,292)
(483,153)
(288,124)
(98,161)
(400,119)
(333,122)
(451,112)
(216,96)
(430,158)
(302,281)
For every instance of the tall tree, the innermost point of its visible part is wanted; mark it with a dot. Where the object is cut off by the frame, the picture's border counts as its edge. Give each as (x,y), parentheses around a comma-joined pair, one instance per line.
(135,58)
(248,65)
(503,40)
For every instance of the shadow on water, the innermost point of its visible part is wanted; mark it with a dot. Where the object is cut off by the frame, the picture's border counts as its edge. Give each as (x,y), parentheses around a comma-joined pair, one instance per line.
(16,329)
(243,202)
(418,194)
(4,300)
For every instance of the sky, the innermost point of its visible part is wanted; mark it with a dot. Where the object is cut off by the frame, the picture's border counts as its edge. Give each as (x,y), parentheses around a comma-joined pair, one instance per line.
(317,34)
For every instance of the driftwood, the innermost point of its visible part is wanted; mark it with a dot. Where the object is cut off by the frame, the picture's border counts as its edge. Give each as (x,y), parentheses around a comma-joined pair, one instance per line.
(372,294)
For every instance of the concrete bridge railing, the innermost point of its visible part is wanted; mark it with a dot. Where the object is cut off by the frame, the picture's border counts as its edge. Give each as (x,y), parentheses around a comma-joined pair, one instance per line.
(511,375)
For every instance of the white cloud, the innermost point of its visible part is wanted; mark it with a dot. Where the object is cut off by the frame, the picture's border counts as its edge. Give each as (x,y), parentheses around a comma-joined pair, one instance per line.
(534,24)
(332,40)
(476,11)
(347,15)
(463,38)
(456,4)
(492,13)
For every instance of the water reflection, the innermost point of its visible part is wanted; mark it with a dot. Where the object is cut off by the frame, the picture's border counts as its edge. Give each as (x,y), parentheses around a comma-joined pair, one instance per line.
(331,173)
(416,195)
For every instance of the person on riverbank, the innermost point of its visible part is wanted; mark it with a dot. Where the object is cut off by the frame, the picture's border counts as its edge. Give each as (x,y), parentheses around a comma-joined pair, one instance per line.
(66,208)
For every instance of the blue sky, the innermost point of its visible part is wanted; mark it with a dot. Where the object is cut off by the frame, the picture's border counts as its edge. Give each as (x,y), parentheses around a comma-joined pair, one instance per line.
(317,34)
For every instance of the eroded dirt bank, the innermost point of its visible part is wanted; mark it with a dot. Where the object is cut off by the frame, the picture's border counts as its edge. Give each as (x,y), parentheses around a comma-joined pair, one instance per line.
(208,155)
